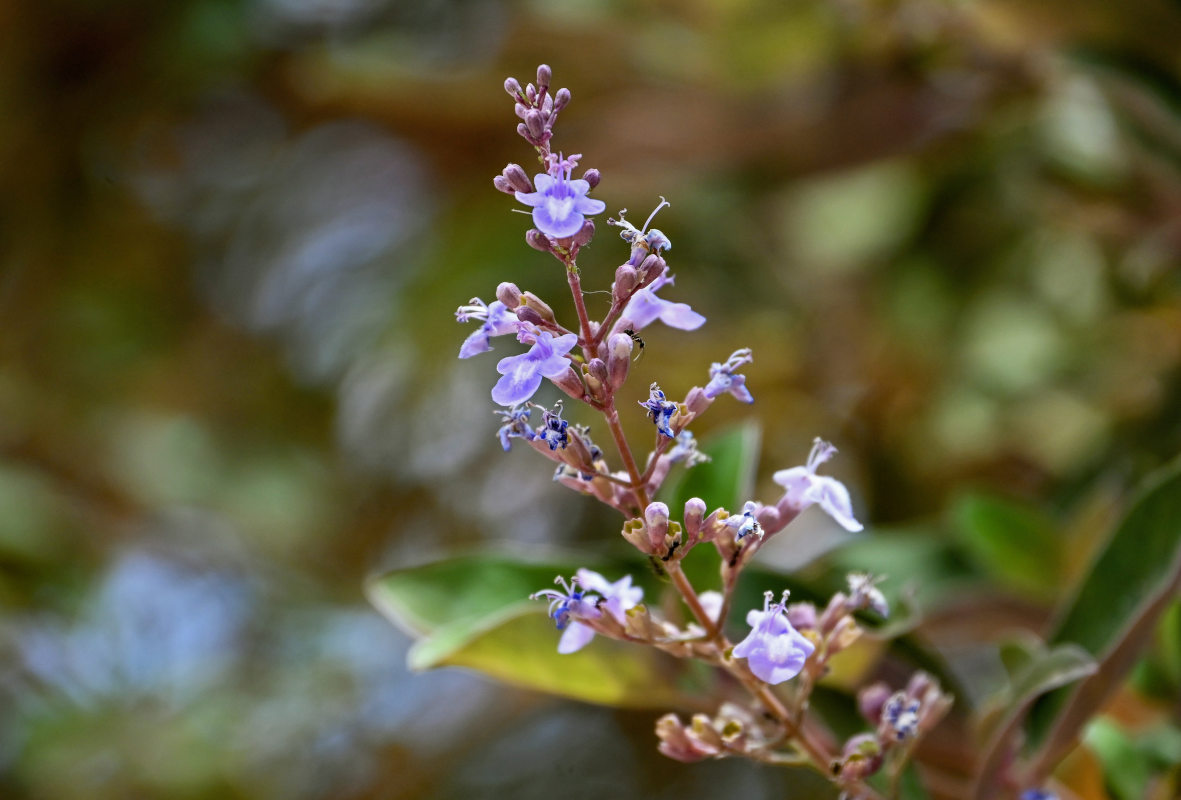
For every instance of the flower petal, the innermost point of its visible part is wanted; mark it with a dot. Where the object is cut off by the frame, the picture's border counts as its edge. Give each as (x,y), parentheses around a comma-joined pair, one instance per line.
(475,344)
(520,380)
(831,495)
(576,637)
(681,316)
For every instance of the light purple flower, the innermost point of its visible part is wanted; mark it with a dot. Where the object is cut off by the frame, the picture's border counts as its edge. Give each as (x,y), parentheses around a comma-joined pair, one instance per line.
(774,650)
(685,450)
(577,599)
(804,487)
(523,373)
(746,524)
(560,202)
(722,378)
(514,425)
(497,318)
(645,307)
(642,240)
(1038,794)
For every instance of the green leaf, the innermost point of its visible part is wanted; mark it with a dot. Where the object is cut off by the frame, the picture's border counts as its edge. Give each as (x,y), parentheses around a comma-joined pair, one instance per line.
(1126,769)
(1113,615)
(1013,543)
(726,481)
(520,647)
(472,611)
(1035,672)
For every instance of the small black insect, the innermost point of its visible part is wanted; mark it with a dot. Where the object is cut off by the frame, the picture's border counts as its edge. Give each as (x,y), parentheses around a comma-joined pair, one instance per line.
(635,337)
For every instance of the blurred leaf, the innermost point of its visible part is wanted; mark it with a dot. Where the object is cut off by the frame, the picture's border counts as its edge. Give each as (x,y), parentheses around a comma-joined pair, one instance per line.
(1159,674)
(1011,542)
(1126,768)
(520,647)
(726,481)
(1131,583)
(1035,672)
(472,611)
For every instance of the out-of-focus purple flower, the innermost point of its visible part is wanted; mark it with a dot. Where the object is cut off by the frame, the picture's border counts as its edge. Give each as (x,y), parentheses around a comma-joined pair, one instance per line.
(685,450)
(553,428)
(523,373)
(774,650)
(864,593)
(901,716)
(1038,794)
(497,318)
(722,378)
(660,410)
(618,597)
(645,307)
(745,524)
(578,599)
(804,487)
(515,425)
(560,202)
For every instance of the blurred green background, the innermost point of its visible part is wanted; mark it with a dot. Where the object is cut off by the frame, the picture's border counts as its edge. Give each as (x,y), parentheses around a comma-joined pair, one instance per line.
(232,238)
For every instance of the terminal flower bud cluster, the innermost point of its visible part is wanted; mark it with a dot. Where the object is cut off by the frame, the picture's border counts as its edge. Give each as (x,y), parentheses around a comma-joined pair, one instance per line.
(589,360)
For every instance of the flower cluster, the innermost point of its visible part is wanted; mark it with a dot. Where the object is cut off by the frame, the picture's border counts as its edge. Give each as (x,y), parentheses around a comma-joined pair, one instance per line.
(590,360)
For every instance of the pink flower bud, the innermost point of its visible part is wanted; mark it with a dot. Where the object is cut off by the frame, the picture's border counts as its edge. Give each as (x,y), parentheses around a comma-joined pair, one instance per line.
(509,294)
(585,234)
(534,123)
(651,268)
(501,183)
(570,383)
(522,130)
(540,306)
(619,359)
(694,517)
(626,279)
(544,76)
(513,88)
(592,177)
(561,100)
(656,518)
(538,240)
(802,615)
(696,401)
(515,175)
(871,700)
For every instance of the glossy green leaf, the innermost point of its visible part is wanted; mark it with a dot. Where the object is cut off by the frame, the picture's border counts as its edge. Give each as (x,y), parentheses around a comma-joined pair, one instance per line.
(1010,542)
(1113,615)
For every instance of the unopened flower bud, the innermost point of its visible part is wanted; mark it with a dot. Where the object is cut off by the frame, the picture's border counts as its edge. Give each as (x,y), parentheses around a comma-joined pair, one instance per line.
(585,234)
(656,518)
(871,700)
(594,384)
(860,758)
(538,240)
(523,131)
(570,383)
(843,635)
(920,683)
(677,743)
(561,99)
(694,517)
(626,279)
(530,315)
(540,306)
(768,518)
(531,92)
(544,76)
(619,359)
(502,184)
(592,177)
(513,87)
(508,293)
(515,174)
(650,268)
(802,615)
(535,124)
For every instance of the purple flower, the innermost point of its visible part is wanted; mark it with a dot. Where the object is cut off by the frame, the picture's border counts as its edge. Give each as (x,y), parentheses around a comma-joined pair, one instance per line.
(774,650)
(645,307)
(643,241)
(660,410)
(722,378)
(560,203)
(570,603)
(523,373)
(746,524)
(497,318)
(685,450)
(804,487)
(553,428)
(515,425)
(1038,794)
(901,716)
